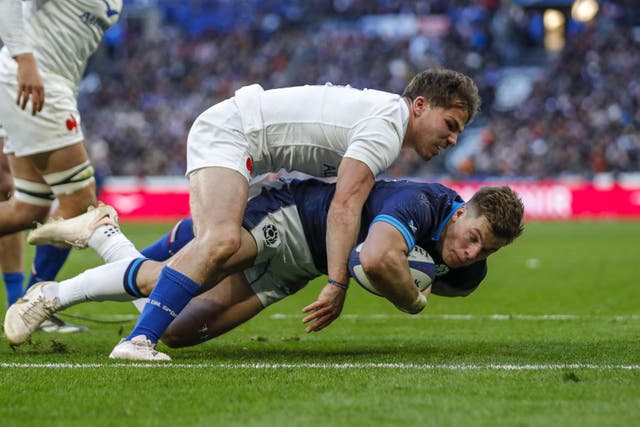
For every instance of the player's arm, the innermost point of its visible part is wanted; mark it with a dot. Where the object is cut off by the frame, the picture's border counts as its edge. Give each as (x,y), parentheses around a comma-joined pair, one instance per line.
(13,35)
(354,183)
(384,261)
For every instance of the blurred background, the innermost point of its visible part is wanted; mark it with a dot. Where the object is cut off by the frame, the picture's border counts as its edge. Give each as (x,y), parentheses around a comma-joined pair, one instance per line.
(559,79)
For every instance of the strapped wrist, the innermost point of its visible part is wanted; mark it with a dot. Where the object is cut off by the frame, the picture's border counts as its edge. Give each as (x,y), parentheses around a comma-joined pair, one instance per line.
(418,305)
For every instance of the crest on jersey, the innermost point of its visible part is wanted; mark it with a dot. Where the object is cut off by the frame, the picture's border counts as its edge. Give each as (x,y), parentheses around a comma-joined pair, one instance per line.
(271,235)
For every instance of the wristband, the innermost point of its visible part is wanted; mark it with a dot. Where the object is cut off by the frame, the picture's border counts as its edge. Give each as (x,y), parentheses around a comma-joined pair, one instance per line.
(338,284)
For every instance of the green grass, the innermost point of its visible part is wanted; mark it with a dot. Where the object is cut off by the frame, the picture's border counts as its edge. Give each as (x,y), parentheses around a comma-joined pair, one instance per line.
(374,366)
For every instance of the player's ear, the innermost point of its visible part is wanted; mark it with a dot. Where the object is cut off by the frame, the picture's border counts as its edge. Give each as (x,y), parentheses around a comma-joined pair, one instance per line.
(420,104)
(460,212)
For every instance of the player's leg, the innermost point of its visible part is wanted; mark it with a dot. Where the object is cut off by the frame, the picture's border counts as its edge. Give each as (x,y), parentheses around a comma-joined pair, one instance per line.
(115,281)
(69,174)
(216,251)
(31,201)
(127,277)
(12,245)
(283,265)
(216,311)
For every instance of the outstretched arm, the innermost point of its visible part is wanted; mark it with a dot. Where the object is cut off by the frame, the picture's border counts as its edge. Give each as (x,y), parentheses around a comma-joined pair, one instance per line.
(353,186)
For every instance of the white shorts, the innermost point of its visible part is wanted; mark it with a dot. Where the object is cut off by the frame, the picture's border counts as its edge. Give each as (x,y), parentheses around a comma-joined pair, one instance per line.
(217,139)
(284,263)
(56,126)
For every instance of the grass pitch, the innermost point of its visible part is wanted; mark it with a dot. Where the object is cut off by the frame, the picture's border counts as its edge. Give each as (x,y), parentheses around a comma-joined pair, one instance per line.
(552,337)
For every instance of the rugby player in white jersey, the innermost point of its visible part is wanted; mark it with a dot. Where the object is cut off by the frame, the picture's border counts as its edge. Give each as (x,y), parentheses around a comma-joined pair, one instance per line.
(47,46)
(318,130)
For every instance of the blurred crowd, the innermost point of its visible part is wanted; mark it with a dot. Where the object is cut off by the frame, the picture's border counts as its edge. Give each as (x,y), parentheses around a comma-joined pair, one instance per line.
(156,73)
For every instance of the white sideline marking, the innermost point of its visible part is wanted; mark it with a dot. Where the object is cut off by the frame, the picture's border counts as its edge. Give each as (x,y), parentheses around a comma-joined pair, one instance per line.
(327,366)
(278,316)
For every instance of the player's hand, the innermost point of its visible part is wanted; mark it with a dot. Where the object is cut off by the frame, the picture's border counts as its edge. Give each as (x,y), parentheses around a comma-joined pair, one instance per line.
(30,84)
(326,308)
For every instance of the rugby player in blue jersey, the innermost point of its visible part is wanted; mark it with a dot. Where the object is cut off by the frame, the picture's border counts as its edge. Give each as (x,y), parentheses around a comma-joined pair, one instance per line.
(322,131)
(284,236)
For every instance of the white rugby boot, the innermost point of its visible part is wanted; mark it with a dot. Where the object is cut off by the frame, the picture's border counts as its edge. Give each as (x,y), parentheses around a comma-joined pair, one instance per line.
(25,316)
(138,348)
(74,231)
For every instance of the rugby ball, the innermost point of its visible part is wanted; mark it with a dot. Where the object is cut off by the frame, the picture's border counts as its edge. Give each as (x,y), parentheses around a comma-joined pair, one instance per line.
(421,265)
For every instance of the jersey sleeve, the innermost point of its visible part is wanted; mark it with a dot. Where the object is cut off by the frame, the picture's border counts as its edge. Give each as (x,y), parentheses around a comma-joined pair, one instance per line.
(411,213)
(12,30)
(376,142)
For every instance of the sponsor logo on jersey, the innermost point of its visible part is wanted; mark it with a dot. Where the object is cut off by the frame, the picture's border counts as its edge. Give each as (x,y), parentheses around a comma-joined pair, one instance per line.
(110,12)
(250,164)
(102,22)
(271,236)
(72,123)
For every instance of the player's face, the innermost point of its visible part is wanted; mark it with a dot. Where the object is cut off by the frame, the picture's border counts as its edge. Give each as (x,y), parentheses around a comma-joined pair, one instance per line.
(468,239)
(435,129)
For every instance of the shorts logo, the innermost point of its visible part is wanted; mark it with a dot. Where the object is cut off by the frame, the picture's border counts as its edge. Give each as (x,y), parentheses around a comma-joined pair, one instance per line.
(271,236)
(72,123)
(250,164)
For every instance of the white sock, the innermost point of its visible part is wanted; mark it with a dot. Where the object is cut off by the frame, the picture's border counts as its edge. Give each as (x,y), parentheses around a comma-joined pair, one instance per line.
(102,283)
(109,242)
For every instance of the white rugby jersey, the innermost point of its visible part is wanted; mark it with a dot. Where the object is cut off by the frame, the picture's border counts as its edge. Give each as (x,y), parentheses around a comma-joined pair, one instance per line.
(311,128)
(62,34)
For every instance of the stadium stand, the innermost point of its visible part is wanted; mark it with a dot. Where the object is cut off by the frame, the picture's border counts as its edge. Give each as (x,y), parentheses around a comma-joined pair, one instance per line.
(545,114)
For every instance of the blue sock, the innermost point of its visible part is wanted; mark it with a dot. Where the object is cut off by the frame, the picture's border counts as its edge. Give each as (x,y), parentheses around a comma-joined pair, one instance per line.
(172,293)
(13,284)
(47,263)
(170,243)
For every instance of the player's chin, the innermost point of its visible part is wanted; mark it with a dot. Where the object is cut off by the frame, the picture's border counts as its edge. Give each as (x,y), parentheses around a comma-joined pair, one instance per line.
(428,155)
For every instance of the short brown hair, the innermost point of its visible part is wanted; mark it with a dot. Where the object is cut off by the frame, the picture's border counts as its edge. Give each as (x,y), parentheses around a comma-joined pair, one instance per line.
(445,88)
(502,207)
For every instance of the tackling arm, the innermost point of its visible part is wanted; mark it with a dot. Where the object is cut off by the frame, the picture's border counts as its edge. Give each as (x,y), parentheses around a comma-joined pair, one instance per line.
(355,181)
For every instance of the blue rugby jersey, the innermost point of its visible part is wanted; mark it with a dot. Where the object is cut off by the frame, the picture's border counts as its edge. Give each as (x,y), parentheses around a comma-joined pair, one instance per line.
(418,210)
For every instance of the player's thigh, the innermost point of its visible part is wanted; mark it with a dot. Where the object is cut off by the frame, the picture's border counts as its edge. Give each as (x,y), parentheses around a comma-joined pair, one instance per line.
(60,159)
(6,181)
(218,196)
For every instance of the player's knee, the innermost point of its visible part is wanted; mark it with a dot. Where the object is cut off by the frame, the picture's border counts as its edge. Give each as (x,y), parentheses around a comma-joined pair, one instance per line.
(218,246)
